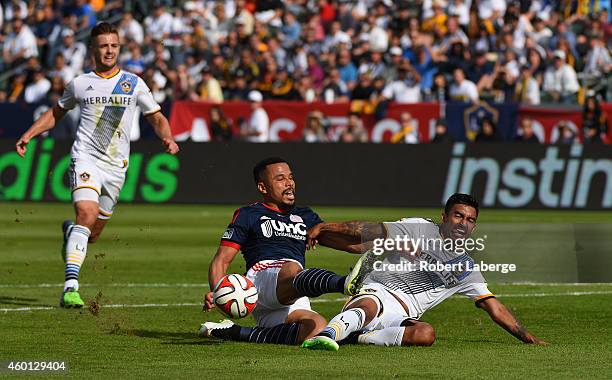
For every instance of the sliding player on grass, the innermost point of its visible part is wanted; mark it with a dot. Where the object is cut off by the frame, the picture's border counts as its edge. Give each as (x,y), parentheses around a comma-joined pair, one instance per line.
(108,98)
(272,237)
(390,303)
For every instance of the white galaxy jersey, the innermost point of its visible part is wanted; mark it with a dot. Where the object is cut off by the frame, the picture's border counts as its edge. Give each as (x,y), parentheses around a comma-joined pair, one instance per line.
(421,290)
(108,105)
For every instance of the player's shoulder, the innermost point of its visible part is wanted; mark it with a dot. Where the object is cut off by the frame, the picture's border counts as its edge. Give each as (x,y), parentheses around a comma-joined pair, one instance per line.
(416,220)
(302,210)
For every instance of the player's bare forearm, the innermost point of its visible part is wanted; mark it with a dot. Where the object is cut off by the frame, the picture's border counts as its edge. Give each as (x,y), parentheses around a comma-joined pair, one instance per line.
(44,123)
(219,264)
(500,314)
(341,243)
(162,129)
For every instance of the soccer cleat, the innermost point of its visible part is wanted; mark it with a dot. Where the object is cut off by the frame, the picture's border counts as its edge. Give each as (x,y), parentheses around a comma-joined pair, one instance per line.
(71,299)
(321,343)
(65,227)
(207,328)
(363,267)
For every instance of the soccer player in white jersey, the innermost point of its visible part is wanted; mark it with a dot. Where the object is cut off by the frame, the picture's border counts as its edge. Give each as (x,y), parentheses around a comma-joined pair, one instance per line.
(388,307)
(108,98)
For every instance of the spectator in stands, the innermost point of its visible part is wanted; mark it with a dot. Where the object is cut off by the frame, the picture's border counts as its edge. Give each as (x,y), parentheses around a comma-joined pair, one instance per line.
(560,81)
(348,71)
(525,132)
(134,62)
(130,29)
(566,134)
(354,131)
(15,9)
(20,44)
(439,92)
(210,89)
(488,131)
(315,128)
(406,88)
(463,90)
(408,132)
(17,87)
(74,52)
(258,125)
(334,89)
(527,87)
(37,90)
(220,125)
(56,91)
(290,31)
(159,24)
(442,135)
(61,70)
(84,13)
(594,121)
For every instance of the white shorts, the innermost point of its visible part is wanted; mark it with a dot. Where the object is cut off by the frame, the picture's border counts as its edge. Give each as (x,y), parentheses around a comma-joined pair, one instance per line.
(391,314)
(269,312)
(91,182)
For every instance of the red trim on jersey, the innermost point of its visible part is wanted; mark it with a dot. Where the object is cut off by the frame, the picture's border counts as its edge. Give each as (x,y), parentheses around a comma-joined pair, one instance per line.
(273,208)
(227,243)
(235,216)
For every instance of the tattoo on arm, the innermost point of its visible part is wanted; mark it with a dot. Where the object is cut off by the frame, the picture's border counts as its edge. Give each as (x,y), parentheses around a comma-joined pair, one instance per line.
(365,231)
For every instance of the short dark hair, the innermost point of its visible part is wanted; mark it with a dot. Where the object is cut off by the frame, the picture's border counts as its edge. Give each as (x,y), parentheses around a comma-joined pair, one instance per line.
(461,199)
(103,28)
(261,166)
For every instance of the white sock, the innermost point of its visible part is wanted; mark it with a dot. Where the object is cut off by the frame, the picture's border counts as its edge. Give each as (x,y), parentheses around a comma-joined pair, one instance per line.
(344,323)
(390,336)
(76,250)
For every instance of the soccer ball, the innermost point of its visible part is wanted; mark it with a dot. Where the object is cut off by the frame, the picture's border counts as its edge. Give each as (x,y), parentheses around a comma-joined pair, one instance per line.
(235,296)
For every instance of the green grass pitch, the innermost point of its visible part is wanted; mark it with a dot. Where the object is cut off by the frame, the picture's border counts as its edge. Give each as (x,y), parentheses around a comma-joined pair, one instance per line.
(148,273)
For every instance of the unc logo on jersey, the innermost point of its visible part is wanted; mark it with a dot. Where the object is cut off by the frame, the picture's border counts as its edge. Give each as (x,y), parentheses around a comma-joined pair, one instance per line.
(279,228)
(126,86)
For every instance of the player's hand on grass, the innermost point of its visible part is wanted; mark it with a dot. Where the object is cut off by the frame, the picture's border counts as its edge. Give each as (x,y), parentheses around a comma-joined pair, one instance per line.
(171,146)
(209,303)
(539,342)
(21,146)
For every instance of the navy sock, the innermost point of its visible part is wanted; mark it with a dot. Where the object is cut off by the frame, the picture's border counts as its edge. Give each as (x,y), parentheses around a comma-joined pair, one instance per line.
(285,333)
(314,282)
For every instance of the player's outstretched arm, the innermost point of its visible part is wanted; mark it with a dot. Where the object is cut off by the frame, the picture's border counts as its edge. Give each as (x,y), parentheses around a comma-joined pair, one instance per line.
(162,130)
(44,123)
(353,236)
(217,269)
(503,317)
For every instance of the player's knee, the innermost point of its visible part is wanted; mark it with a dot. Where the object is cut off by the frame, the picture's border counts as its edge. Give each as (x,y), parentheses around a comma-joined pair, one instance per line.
(424,335)
(290,269)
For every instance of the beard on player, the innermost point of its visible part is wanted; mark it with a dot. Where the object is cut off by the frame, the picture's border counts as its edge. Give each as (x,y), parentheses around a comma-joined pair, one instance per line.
(278,186)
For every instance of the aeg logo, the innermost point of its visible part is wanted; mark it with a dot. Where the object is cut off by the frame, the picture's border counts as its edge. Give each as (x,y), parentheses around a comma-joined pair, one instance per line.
(279,228)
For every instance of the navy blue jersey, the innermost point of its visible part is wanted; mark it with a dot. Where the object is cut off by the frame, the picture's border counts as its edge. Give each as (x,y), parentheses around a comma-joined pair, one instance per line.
(265,233)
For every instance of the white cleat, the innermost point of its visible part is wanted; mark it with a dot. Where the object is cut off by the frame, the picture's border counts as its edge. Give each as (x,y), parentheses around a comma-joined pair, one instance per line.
(207,328)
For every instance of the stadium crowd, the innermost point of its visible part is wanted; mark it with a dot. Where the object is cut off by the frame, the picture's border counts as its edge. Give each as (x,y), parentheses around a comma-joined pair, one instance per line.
(368,52)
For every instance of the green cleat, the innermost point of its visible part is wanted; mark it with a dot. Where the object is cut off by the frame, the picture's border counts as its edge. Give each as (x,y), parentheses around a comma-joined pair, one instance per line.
(67,225)
(363,267)
(321,343)
(71,299)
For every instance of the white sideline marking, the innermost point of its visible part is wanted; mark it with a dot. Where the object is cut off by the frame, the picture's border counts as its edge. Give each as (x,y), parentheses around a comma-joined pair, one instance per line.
(316,300)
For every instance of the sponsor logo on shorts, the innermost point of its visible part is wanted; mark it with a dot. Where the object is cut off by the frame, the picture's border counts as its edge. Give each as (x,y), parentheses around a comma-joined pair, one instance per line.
(84,176)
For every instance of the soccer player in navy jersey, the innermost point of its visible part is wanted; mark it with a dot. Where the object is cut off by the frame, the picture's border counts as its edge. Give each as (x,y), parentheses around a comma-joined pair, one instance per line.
(272,236)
